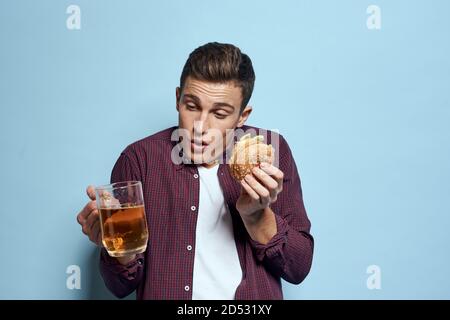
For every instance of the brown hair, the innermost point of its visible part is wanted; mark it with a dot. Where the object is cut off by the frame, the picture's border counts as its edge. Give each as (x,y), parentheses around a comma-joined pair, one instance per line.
(221,62)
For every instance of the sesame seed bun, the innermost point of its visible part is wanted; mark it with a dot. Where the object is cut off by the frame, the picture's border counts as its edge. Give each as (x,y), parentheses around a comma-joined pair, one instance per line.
(248,153)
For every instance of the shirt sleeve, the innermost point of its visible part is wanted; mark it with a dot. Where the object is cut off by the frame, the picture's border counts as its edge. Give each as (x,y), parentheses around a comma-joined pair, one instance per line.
(289,253)
(120,279)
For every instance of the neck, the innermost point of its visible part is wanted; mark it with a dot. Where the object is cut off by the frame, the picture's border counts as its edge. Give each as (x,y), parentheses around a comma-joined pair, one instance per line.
(210,165)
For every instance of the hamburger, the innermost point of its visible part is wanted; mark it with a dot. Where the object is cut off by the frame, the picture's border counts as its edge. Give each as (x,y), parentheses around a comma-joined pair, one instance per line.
(248,153)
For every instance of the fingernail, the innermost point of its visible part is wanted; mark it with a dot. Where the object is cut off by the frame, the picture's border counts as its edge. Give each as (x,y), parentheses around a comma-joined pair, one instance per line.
(264,164)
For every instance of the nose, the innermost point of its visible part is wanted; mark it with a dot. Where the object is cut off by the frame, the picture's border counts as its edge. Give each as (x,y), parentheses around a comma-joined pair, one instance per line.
(201,126)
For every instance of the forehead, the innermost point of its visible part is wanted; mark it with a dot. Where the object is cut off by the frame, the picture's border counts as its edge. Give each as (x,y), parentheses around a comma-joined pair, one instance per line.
(212,92)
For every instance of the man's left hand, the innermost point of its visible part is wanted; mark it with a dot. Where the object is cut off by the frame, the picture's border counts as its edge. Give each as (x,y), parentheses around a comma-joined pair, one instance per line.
(259,190)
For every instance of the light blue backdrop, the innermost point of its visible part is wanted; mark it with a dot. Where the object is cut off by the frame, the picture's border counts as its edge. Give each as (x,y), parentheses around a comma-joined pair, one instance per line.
(366,113)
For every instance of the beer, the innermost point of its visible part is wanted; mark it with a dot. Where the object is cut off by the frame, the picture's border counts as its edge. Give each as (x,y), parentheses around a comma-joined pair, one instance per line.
(124,230)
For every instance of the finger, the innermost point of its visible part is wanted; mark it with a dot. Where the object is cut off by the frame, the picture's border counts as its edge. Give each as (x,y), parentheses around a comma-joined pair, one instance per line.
(84,214)
(107,200)
(273,171)
(90,191)
(270,183)
(99,235)
(252,193)
(80,218)
(263,193)
(85,228)
(93,217)
(93,234)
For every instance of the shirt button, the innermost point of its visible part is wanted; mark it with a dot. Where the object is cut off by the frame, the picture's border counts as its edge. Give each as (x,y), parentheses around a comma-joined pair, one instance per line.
(186,288)
(196,176)
(189,247)
(193,208)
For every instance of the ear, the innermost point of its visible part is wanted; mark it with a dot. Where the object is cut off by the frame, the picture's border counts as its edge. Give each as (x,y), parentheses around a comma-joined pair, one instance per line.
(178,96)
(244,116)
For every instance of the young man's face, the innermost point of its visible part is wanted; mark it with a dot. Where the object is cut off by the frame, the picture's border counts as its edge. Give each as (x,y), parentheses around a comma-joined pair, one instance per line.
(207,111)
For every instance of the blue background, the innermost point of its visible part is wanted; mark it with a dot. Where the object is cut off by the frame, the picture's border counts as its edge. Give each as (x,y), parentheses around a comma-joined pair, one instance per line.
(366,113)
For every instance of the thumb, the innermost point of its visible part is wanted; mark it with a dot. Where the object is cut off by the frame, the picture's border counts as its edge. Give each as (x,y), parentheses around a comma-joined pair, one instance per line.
(90,192)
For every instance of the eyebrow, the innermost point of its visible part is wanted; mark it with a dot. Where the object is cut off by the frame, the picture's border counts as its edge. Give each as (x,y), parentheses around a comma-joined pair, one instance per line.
(215,105)
(191,96)
(223,104)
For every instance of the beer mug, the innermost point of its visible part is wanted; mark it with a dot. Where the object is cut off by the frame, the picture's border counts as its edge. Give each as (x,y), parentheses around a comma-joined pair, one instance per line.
(122,218)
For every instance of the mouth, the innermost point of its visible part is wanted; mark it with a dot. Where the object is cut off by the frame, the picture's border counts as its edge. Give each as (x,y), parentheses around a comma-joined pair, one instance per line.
(198,146)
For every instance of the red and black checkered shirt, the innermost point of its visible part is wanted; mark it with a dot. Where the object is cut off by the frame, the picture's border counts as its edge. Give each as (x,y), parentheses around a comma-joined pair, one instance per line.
(171,193)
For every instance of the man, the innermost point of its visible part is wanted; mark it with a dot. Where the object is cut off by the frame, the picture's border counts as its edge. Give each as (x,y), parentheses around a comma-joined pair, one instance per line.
(210,236)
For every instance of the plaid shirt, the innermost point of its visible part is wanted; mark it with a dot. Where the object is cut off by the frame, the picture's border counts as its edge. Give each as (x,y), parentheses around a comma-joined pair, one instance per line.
(171,193)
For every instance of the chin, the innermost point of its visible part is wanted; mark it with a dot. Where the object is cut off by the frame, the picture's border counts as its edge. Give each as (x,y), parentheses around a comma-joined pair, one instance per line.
(200,158)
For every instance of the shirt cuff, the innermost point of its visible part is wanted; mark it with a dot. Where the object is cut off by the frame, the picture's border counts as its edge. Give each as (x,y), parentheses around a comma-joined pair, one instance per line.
(129,270)
(273,249)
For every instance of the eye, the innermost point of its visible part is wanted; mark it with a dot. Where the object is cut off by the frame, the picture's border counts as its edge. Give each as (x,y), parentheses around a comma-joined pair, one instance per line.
(191,107)
(220,115)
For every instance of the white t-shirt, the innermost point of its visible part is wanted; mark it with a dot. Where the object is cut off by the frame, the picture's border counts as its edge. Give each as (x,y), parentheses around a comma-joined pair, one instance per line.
(217,271)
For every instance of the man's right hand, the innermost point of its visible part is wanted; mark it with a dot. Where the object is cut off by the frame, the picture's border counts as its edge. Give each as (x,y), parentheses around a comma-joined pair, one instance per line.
(89,220)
